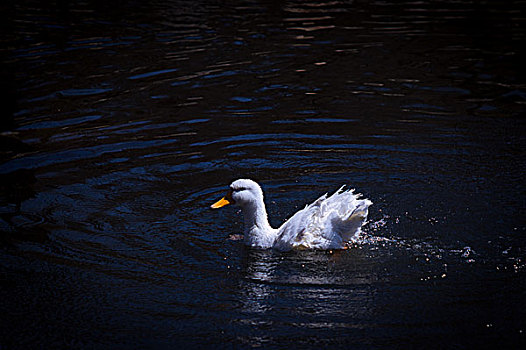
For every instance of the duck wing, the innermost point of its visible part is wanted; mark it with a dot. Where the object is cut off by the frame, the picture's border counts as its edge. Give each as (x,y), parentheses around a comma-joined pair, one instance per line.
(327,223)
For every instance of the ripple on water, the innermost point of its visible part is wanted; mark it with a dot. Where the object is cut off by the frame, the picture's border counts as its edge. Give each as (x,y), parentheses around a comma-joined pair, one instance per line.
(131,120)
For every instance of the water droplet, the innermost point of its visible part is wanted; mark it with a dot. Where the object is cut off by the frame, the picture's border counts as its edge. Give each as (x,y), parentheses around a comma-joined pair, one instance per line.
(467,251)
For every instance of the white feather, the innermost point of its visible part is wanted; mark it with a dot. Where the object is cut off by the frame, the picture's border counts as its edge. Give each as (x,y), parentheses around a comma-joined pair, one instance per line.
(328,223)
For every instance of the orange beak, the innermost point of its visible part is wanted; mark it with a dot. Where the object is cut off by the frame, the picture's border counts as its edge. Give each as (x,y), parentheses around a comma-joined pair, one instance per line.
(226,200)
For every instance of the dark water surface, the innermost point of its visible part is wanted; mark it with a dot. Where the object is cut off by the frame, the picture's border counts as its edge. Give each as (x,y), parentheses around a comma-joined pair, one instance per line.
(124,121)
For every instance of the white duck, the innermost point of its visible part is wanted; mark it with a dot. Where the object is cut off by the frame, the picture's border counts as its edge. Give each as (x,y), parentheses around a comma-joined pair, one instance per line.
(328,223)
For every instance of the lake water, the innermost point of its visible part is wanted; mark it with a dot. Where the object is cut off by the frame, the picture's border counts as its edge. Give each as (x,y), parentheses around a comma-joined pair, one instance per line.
(124,121)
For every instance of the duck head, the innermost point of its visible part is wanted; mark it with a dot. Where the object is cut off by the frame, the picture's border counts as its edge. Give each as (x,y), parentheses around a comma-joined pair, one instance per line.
(242,192)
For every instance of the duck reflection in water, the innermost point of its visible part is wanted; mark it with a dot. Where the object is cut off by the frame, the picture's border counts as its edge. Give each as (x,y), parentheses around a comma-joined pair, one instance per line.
(296,288)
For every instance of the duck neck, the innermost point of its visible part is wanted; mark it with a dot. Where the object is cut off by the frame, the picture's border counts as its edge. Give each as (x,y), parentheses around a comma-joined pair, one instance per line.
(258,231)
